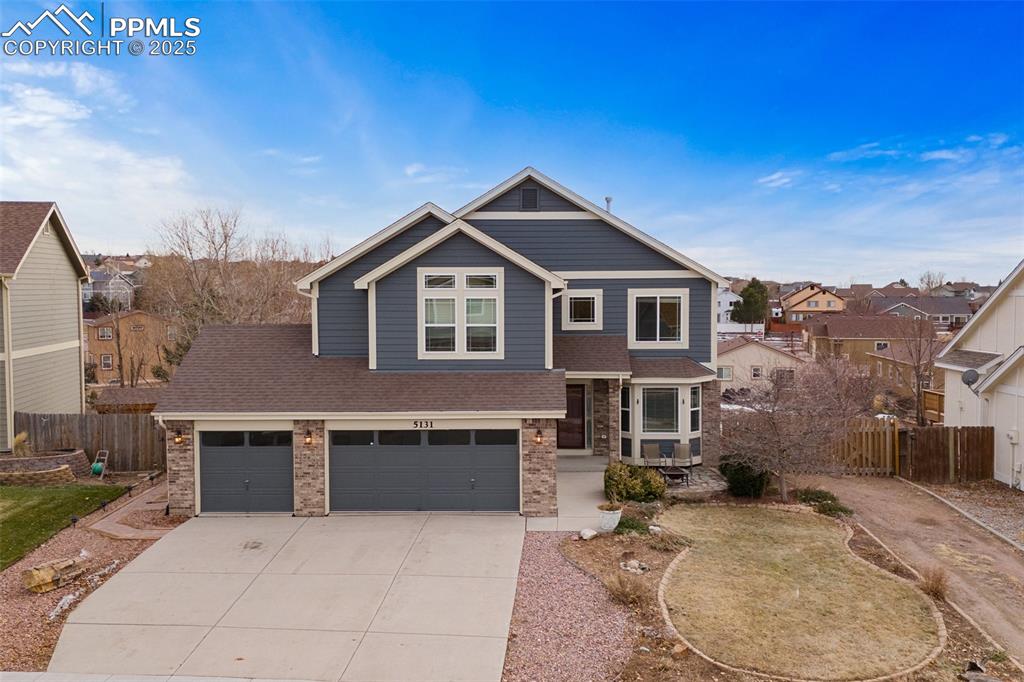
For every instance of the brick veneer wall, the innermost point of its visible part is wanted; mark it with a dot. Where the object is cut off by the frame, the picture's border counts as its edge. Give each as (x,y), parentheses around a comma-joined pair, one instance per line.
(181,469)
(309,463)
(601,439)
(711,423)
(540,487)
(614,428)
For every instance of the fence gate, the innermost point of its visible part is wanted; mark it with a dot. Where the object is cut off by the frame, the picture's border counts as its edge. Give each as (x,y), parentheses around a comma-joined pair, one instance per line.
(948,454)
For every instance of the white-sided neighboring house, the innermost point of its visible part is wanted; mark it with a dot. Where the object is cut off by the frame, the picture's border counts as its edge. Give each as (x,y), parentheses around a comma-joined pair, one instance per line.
(992,345)
(746,362)
(727,300)
(41,278)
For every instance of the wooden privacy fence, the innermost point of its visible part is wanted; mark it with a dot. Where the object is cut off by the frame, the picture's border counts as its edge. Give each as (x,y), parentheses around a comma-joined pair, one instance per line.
(871,448)
(135,441)
(948,454)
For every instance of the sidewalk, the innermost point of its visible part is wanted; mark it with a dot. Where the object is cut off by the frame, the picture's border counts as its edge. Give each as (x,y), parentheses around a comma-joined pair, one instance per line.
(111,525)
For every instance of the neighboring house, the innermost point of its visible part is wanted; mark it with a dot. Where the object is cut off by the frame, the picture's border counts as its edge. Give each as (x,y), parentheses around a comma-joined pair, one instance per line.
(854,337)
(991,345)
(137,400)
(808,301)
(947,313)
(41,276)
(451,357)
(963,289)
(727,300)
(139,336)
(746,362)
(895,366)
(114,286)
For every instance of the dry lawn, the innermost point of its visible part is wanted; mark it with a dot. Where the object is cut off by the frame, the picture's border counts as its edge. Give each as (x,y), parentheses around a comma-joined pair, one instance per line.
(780,593)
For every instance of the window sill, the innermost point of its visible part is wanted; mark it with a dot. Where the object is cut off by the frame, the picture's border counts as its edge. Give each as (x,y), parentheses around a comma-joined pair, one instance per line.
(582,327)
(659,345)
(493,355)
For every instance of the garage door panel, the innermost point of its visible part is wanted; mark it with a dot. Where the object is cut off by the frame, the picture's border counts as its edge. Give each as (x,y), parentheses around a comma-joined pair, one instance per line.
(244,478)
(434,475)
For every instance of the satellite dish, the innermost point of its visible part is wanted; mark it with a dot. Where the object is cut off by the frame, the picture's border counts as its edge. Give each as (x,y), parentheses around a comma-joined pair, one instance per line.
(970,377)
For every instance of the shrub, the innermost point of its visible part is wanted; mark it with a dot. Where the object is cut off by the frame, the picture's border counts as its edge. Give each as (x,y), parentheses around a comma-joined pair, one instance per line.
(743,480)
(631,524)
(813,496)
(833,509)
(935,582)
(627,589)
(636,484)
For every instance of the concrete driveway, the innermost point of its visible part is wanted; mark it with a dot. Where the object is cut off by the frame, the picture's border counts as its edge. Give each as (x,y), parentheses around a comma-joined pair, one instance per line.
(348,597)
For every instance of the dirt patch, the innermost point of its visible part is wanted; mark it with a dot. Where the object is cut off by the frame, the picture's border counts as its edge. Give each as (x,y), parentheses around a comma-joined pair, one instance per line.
(996,504)
(148,519)
(564,626)
(29,634)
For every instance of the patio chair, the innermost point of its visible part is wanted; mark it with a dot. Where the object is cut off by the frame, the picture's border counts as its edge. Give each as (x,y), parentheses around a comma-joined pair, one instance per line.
(651,455)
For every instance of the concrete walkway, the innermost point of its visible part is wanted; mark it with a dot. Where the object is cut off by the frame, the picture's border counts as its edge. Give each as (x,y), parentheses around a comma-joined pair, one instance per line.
(346,597)
(580,490)
(111,525)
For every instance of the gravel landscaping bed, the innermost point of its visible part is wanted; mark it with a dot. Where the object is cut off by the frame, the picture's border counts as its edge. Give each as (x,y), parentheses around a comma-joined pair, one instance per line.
(997,504)
(28,633)
(564,625)
(146,519)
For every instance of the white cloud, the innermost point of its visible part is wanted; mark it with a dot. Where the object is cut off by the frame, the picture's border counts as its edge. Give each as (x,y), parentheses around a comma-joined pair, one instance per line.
(420,173)
(86,80)
(945,155)
(778,179)
(870,150)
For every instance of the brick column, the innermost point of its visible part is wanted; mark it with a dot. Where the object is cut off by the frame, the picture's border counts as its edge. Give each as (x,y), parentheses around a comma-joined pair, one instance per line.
(540,487)
(601,418)
(614,428)
(181,468)
(309,463)
(711,423)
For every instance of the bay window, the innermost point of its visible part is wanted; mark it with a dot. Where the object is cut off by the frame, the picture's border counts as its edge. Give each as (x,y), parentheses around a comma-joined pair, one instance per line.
(661,410)
(657,318)
(695,409)
(460,313)
(625,409)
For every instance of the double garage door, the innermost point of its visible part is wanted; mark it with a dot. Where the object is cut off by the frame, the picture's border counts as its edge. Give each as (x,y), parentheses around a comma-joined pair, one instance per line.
(369,470)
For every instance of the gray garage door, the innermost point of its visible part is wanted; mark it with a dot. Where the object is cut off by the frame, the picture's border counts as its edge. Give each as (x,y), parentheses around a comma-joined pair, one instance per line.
(456,470)
(245,471)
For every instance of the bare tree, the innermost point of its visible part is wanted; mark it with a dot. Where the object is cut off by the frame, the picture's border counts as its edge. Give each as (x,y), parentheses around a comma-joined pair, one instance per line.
(790,425)
(930,279)
(913,352)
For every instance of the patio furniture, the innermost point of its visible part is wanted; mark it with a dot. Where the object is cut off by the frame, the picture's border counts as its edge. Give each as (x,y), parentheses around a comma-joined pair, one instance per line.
(651,455)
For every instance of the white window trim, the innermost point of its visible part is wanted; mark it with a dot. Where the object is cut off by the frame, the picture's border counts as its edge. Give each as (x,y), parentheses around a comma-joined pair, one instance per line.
(759,372)
(102,364)
(626,428)
(684,318)
(597,295)
(108,337)
(878,345)
(725,368)
(700,411)
(668,435)
(460,293)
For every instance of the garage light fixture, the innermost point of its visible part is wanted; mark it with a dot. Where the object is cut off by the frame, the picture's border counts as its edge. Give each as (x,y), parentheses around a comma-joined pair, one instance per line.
(538,437)
(309,437)
(178,438)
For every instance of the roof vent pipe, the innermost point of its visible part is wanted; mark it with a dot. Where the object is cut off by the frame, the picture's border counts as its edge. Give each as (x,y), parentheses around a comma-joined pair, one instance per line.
(608,204)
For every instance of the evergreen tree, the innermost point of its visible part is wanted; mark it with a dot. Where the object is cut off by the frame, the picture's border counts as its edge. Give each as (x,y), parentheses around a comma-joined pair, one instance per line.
(754,306)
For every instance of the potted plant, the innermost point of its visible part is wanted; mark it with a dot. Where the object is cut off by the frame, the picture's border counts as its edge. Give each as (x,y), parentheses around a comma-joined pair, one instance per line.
(611,513)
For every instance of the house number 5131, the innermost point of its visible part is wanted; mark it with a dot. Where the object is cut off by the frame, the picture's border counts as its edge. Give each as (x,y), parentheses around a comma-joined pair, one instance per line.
(428,424)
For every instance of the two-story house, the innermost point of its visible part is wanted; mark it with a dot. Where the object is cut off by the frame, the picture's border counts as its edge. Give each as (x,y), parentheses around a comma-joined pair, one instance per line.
(41,276)
(947,313)
(124,347)
(984,366)
(450,359)
(808,301)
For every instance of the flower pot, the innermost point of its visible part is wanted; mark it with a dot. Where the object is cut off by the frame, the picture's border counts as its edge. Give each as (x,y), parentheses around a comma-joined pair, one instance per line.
(609,520)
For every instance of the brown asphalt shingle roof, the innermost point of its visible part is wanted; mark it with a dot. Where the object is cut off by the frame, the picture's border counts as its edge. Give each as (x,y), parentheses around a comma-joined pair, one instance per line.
(668,368)
(19,222)
(864,326)
(591,353)
(971,359)
(253,369)
(128,396)
(930,305)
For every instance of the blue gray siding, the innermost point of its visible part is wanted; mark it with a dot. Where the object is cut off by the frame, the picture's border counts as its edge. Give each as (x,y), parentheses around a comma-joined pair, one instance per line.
(548,200)
(523,314)
(575,245)
(615,313)
(342,313)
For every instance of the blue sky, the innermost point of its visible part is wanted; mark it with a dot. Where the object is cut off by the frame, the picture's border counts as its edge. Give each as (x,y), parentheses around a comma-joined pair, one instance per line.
(826,141)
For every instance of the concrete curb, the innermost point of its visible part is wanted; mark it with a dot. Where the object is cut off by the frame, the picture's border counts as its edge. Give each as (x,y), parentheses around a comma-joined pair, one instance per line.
(848,531)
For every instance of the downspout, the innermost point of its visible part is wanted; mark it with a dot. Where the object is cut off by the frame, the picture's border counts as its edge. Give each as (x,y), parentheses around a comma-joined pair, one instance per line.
(5,303)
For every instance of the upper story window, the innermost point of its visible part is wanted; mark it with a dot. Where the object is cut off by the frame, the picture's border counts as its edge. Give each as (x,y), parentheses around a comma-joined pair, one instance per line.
(830,304)
(658,318)
(881,345)
(460,313)
(106,361)
(582,309)
(172,334)
(529,199)
(812,304)
(105,333)
(725,373)
(756,372)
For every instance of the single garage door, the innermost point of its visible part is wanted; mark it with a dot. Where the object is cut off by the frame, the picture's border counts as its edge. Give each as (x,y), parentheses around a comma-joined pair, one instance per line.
(443,470)
(245,471)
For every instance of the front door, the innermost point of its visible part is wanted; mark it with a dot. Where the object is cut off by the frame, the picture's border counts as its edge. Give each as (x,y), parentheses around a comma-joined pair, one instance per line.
(571,430)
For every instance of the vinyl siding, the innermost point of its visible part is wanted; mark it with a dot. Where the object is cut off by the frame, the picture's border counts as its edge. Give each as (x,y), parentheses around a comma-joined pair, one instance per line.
(547,200)
(575,245)
(3,406)
(49,382)
(44,296)
(341,311)
(523,314)
(615,313)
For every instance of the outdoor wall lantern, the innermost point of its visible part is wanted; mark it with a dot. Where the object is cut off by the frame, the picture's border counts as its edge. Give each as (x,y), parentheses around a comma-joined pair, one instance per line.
(309,437)
(178,438)
(538,437)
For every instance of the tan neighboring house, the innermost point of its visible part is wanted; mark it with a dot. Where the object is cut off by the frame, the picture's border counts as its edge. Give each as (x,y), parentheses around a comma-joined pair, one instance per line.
(990,350)
(141,338)
(41,276)
(855,337)
(895,368)
(808,301)
(746,362)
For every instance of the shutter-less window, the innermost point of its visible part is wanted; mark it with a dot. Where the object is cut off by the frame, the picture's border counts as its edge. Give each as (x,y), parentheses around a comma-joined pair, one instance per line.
(529,198)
